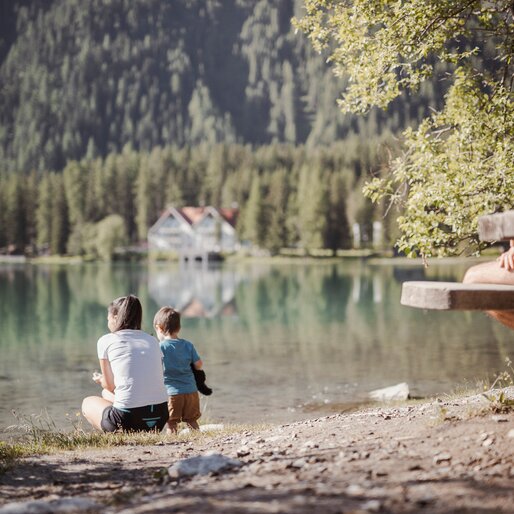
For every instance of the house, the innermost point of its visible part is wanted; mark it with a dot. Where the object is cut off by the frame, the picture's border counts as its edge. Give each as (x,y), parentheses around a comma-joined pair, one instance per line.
(195,230)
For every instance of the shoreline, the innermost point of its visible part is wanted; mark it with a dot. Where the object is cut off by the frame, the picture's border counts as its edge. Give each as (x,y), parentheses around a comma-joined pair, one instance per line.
(438,456)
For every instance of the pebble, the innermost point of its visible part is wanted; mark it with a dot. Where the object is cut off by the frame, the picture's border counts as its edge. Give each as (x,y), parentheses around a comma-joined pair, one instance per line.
(298,463)
(371,506)
(64,505)
(500,419)
(202,465)
(510,433)
(355,490)
(488,442)
(442,457)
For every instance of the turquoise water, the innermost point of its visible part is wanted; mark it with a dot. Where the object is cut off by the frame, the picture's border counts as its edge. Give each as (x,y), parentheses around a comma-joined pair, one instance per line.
(279,342)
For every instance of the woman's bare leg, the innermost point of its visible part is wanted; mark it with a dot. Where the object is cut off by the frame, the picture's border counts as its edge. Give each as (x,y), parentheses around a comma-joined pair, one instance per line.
(93,408)
(493,273)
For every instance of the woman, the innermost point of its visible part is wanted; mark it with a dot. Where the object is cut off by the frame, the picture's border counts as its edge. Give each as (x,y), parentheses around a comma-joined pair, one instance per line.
(500,271)
(134,396)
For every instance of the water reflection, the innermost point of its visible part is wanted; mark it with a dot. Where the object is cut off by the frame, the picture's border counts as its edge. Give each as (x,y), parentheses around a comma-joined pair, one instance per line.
(197,291)
(277,340)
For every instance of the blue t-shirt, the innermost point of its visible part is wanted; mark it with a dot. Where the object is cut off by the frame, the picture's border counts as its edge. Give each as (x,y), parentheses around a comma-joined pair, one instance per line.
(178,355)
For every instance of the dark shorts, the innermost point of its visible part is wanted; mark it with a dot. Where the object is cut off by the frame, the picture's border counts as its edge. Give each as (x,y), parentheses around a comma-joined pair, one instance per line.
(148,418)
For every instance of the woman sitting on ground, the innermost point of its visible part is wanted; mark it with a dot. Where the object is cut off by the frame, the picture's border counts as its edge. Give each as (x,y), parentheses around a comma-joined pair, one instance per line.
(134,396)
(501,272)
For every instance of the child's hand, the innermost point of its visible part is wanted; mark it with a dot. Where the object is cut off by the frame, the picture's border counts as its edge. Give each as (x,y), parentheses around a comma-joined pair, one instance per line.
(97,377)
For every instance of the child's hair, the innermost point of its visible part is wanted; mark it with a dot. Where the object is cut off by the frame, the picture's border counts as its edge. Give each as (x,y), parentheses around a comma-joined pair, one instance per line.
(168,320)
(128,311)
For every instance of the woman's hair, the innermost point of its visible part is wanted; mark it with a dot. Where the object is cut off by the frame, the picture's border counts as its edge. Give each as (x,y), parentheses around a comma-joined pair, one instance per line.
(128,312)
(168,320)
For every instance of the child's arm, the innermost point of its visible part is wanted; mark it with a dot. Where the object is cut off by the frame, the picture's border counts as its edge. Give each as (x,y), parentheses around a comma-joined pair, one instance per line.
(107,379)
(198,364)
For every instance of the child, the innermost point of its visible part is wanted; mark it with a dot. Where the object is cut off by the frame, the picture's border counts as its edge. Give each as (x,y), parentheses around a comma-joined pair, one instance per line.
(178,356)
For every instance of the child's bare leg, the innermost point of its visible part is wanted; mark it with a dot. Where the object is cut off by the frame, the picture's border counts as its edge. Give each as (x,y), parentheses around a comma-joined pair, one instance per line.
(193,425)
(171,427)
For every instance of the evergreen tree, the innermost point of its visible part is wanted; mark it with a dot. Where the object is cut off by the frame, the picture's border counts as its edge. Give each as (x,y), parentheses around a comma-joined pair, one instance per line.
(312,206)
(59,229)
(337,231)
(254,215)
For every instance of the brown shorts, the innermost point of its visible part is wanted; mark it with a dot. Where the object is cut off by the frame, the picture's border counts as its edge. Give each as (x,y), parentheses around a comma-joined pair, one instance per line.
(184,407)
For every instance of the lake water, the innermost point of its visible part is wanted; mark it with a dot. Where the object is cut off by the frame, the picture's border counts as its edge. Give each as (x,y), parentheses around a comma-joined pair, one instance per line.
(279,342)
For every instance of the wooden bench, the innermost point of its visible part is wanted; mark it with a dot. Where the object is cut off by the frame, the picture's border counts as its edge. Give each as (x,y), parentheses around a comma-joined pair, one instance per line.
(458,296)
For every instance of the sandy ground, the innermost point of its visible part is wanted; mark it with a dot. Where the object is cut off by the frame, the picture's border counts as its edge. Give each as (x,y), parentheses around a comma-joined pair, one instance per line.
(445,456)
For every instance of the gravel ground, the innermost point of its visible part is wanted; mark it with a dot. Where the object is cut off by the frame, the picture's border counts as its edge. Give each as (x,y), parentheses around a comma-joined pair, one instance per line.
(443,456)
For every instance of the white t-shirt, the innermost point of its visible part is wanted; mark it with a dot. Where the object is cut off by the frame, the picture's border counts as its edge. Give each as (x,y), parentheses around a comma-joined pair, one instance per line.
(136,363)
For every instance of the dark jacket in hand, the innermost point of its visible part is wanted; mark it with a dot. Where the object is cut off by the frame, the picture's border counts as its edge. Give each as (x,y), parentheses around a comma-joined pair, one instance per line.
(200,381)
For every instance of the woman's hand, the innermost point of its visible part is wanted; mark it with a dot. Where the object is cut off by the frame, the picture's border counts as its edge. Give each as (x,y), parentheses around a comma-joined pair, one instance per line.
(506,259)
(97,377)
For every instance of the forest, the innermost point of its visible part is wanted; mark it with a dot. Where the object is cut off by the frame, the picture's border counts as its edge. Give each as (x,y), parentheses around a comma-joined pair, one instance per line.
(120,108)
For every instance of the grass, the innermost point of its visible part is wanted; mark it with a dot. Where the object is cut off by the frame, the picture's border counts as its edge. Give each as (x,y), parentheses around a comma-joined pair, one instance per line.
(40,435)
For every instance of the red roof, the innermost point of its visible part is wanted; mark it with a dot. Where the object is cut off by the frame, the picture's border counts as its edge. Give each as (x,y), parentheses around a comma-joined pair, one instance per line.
(194,214)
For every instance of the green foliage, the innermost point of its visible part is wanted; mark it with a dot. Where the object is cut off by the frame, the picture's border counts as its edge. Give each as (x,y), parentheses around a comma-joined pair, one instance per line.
(111,233)
(458,164)
(82,80)
(499,401)
(287,196)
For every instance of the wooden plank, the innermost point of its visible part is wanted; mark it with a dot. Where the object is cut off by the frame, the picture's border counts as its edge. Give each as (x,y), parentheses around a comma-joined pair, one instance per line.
(496,227)
(457,296)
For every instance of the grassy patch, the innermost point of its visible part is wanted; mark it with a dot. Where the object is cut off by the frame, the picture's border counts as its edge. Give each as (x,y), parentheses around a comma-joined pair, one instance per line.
(10,453)
(39,435)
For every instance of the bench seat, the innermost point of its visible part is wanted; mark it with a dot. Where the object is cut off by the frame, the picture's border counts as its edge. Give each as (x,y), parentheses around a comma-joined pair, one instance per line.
(446,296)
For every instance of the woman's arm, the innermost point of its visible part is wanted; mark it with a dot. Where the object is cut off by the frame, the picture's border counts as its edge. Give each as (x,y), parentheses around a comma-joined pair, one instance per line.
(107,380)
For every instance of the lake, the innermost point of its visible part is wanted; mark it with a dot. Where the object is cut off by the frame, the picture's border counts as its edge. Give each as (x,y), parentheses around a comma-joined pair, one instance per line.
(279,342)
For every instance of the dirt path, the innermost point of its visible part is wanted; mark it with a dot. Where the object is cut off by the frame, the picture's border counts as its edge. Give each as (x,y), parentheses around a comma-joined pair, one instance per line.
(439,457)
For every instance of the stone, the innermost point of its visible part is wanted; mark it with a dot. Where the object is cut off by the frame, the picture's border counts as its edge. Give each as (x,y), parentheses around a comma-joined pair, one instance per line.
(354,490)
(298,463)
(396,392)
(203,465)
(457,296)
(442,457)
(208,427)
(371,506)
(60,505)
(510,433)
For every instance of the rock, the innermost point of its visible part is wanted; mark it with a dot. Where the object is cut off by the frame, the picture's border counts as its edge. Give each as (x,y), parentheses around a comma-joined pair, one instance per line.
(510,433)
(209,427)
(60,505)
(355,490)
(442,457)
(500,419)
(371,506)
(243,452)
(396,392)
(203,465)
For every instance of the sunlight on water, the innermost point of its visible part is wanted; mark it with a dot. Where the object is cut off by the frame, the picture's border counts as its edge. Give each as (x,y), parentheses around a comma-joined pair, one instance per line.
(279,342)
